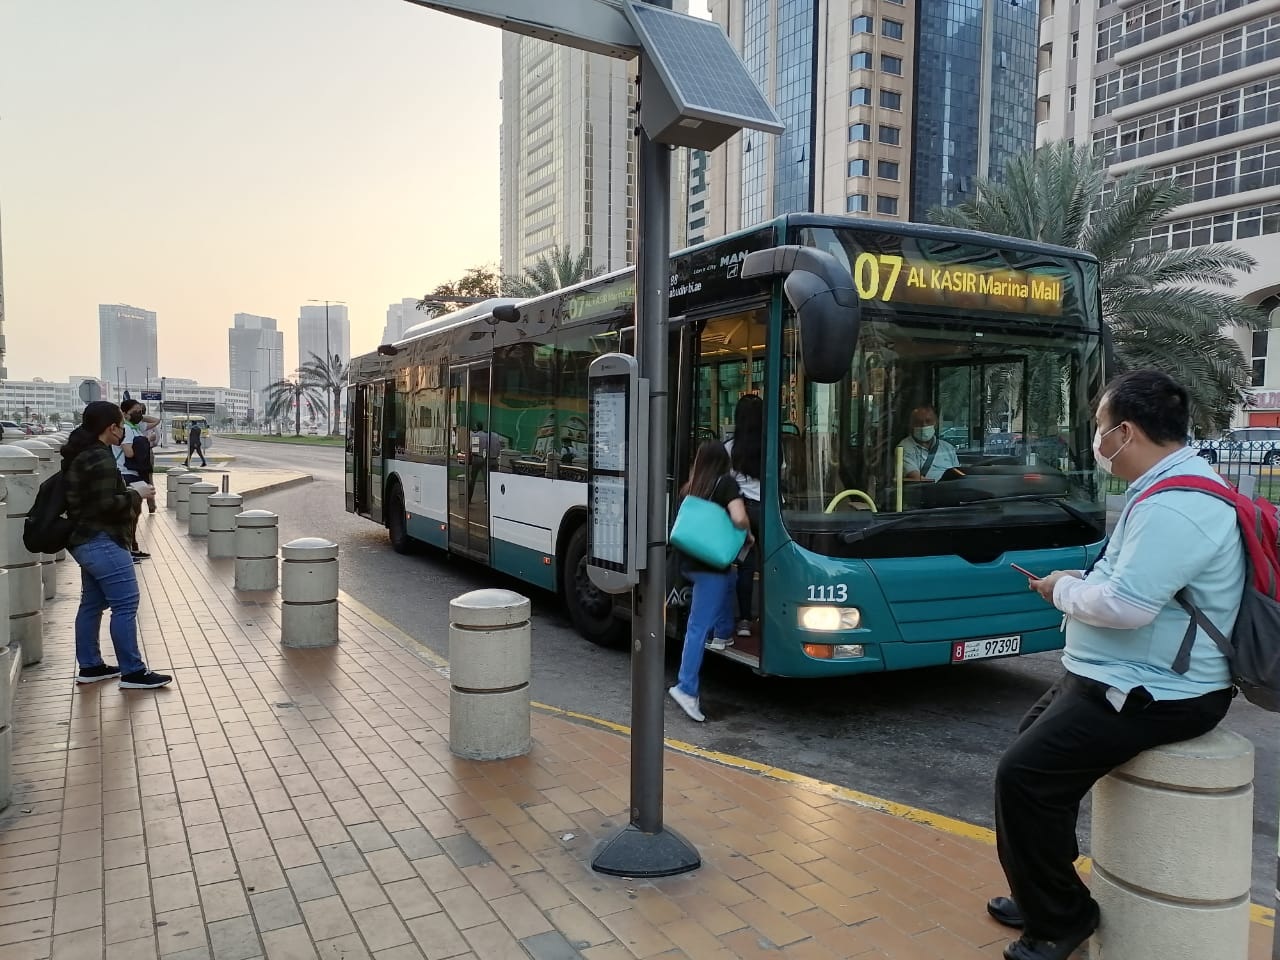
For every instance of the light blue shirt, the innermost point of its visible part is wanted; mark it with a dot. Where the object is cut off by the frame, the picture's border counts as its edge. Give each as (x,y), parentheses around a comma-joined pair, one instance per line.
(1175,539)
(915,453)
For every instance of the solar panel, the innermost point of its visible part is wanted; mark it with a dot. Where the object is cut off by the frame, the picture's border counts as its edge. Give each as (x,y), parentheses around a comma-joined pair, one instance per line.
(702,73)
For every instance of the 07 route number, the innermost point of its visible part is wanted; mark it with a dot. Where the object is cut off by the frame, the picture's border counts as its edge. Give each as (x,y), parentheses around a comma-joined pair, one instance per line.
(876,275)
(828,593)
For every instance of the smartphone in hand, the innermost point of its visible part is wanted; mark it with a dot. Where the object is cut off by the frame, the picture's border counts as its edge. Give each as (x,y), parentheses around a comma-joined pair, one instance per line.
(1025,572)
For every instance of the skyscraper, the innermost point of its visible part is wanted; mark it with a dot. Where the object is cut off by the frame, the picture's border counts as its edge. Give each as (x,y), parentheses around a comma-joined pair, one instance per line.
(255,357)
(1190,91)
(890,106)
(127,343)
(567,154)
(400,317)
(312,337)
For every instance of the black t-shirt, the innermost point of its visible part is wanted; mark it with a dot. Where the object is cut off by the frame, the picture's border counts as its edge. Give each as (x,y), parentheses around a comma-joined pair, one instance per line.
(724,493)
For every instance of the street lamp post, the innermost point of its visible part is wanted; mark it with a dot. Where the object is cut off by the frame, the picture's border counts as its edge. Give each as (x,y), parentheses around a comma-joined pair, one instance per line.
(119,387)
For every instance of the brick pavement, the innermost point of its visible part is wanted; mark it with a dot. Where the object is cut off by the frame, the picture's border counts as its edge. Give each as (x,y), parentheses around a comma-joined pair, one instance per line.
(293,804)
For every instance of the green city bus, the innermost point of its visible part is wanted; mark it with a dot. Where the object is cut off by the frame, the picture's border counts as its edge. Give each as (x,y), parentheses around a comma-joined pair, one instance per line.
(470,435)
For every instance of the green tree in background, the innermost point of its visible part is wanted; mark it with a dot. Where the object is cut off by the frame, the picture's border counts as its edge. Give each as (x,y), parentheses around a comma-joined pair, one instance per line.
(291,392)
(481,283)
(330,379)
(1160,306)
(551,271)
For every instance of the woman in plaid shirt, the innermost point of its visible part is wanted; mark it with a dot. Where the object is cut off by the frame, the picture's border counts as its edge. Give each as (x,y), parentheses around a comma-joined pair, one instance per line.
(102,509)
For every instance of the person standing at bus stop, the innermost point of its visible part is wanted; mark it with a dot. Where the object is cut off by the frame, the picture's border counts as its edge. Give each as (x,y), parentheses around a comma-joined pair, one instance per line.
(746,454)
(1121,693)
(711,609)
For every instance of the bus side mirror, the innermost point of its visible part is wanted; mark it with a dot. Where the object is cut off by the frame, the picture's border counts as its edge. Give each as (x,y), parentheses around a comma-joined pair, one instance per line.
(1109,365)
(828,309)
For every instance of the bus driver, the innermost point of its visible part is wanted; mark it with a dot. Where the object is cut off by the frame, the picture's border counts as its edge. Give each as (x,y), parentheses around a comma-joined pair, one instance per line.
(925,455)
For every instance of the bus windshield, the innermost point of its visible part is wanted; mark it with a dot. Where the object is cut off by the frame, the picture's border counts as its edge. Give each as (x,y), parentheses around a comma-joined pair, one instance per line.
(963,425)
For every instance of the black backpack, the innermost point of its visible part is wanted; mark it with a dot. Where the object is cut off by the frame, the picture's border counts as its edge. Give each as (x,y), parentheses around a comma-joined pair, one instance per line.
(47,529)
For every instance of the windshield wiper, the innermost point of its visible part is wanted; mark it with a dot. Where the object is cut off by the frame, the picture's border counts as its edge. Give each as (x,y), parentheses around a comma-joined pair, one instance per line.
(854,536)
(1058,502)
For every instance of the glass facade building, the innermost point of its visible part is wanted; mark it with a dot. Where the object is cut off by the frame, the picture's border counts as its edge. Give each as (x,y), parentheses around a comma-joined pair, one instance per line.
(976,63)
(792,180)
(755,146)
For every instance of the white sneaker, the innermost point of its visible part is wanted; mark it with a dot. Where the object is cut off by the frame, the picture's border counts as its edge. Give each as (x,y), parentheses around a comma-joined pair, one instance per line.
(744,628)
(717,644)
(687,703)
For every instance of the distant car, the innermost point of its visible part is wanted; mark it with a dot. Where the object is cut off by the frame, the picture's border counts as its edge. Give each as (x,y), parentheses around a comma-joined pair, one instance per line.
(13,429)
(1246,445)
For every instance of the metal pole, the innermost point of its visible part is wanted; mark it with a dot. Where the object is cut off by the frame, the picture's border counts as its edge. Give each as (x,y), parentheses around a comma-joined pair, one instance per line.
(645,848)
(650,633)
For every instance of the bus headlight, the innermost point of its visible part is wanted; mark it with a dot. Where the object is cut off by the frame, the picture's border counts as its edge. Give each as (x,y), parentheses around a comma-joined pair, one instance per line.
(829,619)
(835,651)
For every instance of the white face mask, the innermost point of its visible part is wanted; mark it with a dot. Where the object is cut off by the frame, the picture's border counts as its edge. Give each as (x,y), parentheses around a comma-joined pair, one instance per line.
(925,434)
(1106,462)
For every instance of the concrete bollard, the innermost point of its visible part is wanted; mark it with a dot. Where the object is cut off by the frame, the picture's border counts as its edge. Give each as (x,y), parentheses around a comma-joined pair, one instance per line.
(489,664)
(223,508)
(171,486)
(309,591)
(198,509)
(20,469)
(185,483)
(257,544)
(1172,847)
(48,467)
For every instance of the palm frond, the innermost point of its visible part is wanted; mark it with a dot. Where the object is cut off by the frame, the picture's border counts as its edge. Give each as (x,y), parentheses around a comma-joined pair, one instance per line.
(1172,310)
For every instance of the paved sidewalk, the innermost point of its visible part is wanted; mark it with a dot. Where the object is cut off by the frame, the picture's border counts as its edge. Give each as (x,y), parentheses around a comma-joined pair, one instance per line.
(295,804)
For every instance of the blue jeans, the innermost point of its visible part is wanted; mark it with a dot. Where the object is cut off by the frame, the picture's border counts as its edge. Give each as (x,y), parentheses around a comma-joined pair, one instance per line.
(107,579)
(710,615)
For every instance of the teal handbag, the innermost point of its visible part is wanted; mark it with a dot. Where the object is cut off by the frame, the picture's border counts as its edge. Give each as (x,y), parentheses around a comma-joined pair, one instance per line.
(704,532)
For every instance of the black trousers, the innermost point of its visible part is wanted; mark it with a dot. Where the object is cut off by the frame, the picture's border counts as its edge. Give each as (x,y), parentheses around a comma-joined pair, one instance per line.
(750,564)
(1067,742)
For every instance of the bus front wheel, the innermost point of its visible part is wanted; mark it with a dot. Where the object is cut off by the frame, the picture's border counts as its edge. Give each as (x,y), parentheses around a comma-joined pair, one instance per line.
(590,608)
(397,521)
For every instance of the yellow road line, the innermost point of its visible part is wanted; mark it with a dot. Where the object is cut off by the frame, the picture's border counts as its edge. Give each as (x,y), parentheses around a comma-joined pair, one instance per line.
(958,828)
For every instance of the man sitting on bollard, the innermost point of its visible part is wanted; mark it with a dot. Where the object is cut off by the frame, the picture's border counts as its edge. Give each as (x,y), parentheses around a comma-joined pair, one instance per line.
(1130,682)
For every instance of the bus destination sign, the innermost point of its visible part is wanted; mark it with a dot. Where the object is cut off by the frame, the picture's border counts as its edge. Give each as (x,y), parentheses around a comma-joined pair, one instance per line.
(893,279)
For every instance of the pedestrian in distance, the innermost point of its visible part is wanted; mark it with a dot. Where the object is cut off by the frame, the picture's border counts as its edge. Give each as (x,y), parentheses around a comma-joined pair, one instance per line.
(711,608)
(102,510)
(1138,672)
(195,443)
(127,464)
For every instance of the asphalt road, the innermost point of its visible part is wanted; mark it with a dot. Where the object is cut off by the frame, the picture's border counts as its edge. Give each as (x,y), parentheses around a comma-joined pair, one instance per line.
(928,738)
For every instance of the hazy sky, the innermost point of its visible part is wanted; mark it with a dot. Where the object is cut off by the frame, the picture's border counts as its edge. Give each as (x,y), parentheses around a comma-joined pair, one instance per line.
(204,158)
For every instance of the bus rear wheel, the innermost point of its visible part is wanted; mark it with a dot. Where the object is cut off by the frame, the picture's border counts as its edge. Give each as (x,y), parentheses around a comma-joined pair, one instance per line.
(590,608)
(397,522)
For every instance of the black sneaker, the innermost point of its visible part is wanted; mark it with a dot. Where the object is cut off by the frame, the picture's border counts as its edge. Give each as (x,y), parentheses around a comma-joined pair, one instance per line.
(103,671)
(140,555)
(144,680)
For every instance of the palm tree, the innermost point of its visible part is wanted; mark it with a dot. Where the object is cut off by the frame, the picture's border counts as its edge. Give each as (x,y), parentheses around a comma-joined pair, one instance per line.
(291,393)
(1160,306)
(553,271)
(331,379)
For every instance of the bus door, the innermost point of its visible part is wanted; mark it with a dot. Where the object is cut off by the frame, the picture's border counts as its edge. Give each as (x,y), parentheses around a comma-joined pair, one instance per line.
(722,359)
(358,452)
(373,431)
(473,453)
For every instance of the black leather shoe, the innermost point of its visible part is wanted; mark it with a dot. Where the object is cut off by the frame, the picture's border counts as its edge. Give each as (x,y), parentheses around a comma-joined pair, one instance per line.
(1004,910)
(1029,948)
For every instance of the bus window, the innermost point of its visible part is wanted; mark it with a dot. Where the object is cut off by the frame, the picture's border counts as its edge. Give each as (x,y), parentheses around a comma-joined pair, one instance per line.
(731,357)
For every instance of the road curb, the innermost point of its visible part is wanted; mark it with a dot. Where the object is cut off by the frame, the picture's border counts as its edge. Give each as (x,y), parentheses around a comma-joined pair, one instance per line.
(277,486)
